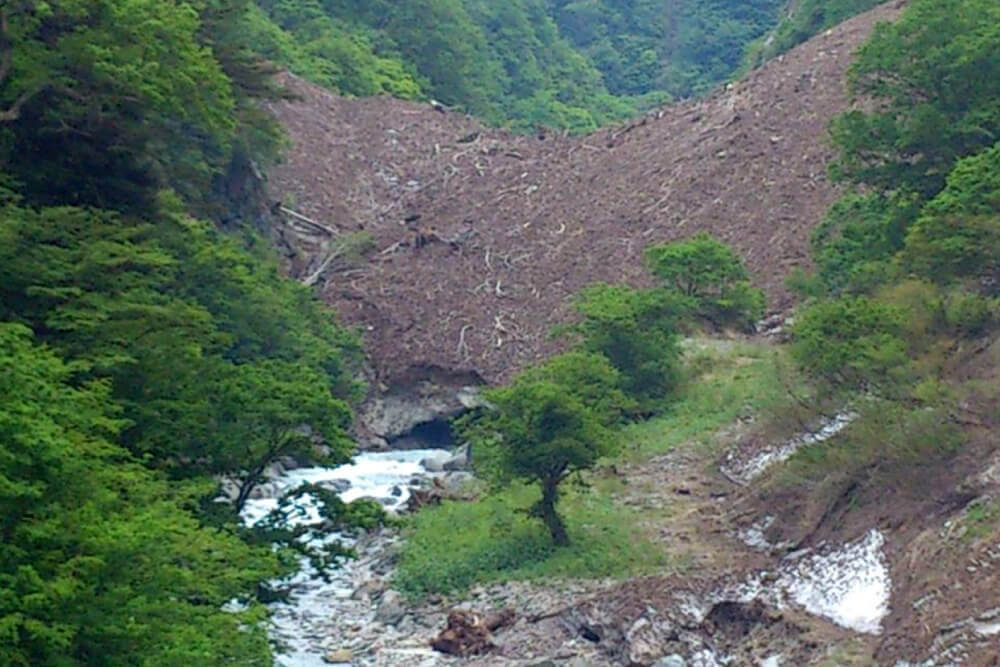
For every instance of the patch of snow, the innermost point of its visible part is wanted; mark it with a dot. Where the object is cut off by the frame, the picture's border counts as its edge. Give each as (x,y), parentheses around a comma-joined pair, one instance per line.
(772,661)
(744,472)
(707,658)
(850,586)
(754,535)
(987,629)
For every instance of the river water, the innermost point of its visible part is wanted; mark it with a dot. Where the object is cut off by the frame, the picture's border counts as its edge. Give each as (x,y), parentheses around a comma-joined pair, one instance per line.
(304,625)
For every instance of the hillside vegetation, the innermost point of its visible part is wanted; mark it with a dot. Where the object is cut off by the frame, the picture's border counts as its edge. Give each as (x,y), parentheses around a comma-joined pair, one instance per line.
(153,353)
(523,63)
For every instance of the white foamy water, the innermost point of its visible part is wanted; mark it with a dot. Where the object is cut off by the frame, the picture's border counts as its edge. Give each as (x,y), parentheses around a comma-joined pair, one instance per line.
(302,625)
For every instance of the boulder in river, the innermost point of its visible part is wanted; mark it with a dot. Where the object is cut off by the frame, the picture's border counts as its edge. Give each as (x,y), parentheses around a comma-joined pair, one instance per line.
(436,462)
(460,461)
(335,485)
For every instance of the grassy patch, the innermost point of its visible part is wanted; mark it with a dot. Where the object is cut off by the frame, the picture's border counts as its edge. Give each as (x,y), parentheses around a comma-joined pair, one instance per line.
(726,381)
(451,547)
(981,521)
(458,544)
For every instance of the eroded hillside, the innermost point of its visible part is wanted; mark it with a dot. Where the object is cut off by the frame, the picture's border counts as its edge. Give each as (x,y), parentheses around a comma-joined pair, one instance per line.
(481,236)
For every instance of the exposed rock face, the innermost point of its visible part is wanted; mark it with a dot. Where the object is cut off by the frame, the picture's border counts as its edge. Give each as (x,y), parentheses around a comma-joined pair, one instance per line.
(413,412)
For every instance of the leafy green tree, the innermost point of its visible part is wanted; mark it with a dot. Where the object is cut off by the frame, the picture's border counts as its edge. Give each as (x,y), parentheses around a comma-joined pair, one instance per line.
(592,379)
(99,564)
(266,410)
(957,235)
(857,238)
(104,101)
(538,431)
(636,331)
(183,322)
(712,275)
(936,76)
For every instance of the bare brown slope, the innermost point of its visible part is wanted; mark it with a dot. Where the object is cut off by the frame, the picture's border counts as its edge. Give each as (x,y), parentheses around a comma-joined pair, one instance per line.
(533,220)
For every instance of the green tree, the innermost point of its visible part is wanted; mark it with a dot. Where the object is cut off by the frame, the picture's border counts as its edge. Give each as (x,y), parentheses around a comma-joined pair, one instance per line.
(936,76)
(957,235)
(712,275)
(540,432)
(99,563)
(636,331)
(266,410)
(592,379)
(104,101)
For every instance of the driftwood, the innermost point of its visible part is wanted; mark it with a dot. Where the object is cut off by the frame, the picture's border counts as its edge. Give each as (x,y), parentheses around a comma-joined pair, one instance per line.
(469,633)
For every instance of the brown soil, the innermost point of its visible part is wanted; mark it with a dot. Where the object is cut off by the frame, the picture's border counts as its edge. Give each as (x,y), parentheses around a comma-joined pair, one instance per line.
(510,227)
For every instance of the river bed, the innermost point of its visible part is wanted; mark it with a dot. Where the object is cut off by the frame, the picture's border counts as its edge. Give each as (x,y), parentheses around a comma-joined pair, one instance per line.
(323,616)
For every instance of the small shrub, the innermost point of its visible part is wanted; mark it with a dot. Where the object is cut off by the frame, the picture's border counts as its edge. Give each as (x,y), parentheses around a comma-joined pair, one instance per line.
(971,315)
(852,343)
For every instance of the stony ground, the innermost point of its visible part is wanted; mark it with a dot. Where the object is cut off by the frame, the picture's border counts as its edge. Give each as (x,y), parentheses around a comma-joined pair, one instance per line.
(943,554)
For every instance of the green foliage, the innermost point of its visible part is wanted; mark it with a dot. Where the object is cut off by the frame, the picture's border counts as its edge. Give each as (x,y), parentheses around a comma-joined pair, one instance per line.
(852,245)
(958,233)
(936,75)
(540,432)
(215,359)
(591,379)
(802,20)
(971,315)
(682,47)
(887,439)
(723,383)
(706,40)
(712,275)
(108,100)
(636,331)
(455,545)
(852,342)
(522,63)
(98,564)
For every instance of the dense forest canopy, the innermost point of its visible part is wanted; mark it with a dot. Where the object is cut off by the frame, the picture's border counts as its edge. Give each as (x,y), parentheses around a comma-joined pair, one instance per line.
(572,65)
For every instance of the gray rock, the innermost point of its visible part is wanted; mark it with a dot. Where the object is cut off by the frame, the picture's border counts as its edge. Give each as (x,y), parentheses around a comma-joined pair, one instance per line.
(460,461)
(266,490)
(435,463)
(288,463)
(335,485)
(391,609)
(454,483)
(394,412)
(338,657)
(674,660)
